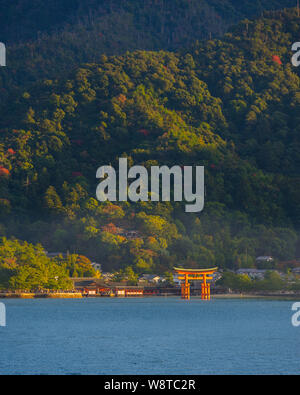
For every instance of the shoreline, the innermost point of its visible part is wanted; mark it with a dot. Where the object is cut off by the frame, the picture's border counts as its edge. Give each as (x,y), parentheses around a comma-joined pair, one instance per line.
(32,295)
(257,296)
(79,295)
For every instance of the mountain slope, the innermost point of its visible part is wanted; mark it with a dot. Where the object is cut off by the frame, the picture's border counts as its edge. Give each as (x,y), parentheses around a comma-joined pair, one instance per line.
(225,104)
(169,22)
(46,39)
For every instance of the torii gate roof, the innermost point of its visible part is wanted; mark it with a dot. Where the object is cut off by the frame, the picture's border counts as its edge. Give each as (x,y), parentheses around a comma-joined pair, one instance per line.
(194,271)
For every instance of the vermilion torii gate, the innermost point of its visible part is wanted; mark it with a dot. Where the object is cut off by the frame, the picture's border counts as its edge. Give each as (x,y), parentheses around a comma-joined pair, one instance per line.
(195,274)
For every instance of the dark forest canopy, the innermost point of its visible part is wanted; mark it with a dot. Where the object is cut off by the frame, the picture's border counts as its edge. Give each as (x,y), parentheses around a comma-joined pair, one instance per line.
(157,22)
(227,104)
(47,39)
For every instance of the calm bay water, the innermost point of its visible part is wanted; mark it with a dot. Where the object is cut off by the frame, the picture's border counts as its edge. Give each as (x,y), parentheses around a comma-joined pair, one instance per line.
(149,336)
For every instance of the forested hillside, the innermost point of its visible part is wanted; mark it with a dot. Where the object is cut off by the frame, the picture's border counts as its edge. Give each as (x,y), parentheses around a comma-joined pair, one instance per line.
(162,22)
(46,39)
(230,104)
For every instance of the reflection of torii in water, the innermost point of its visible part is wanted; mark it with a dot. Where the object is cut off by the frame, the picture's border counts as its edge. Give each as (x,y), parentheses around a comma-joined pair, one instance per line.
(195,274)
